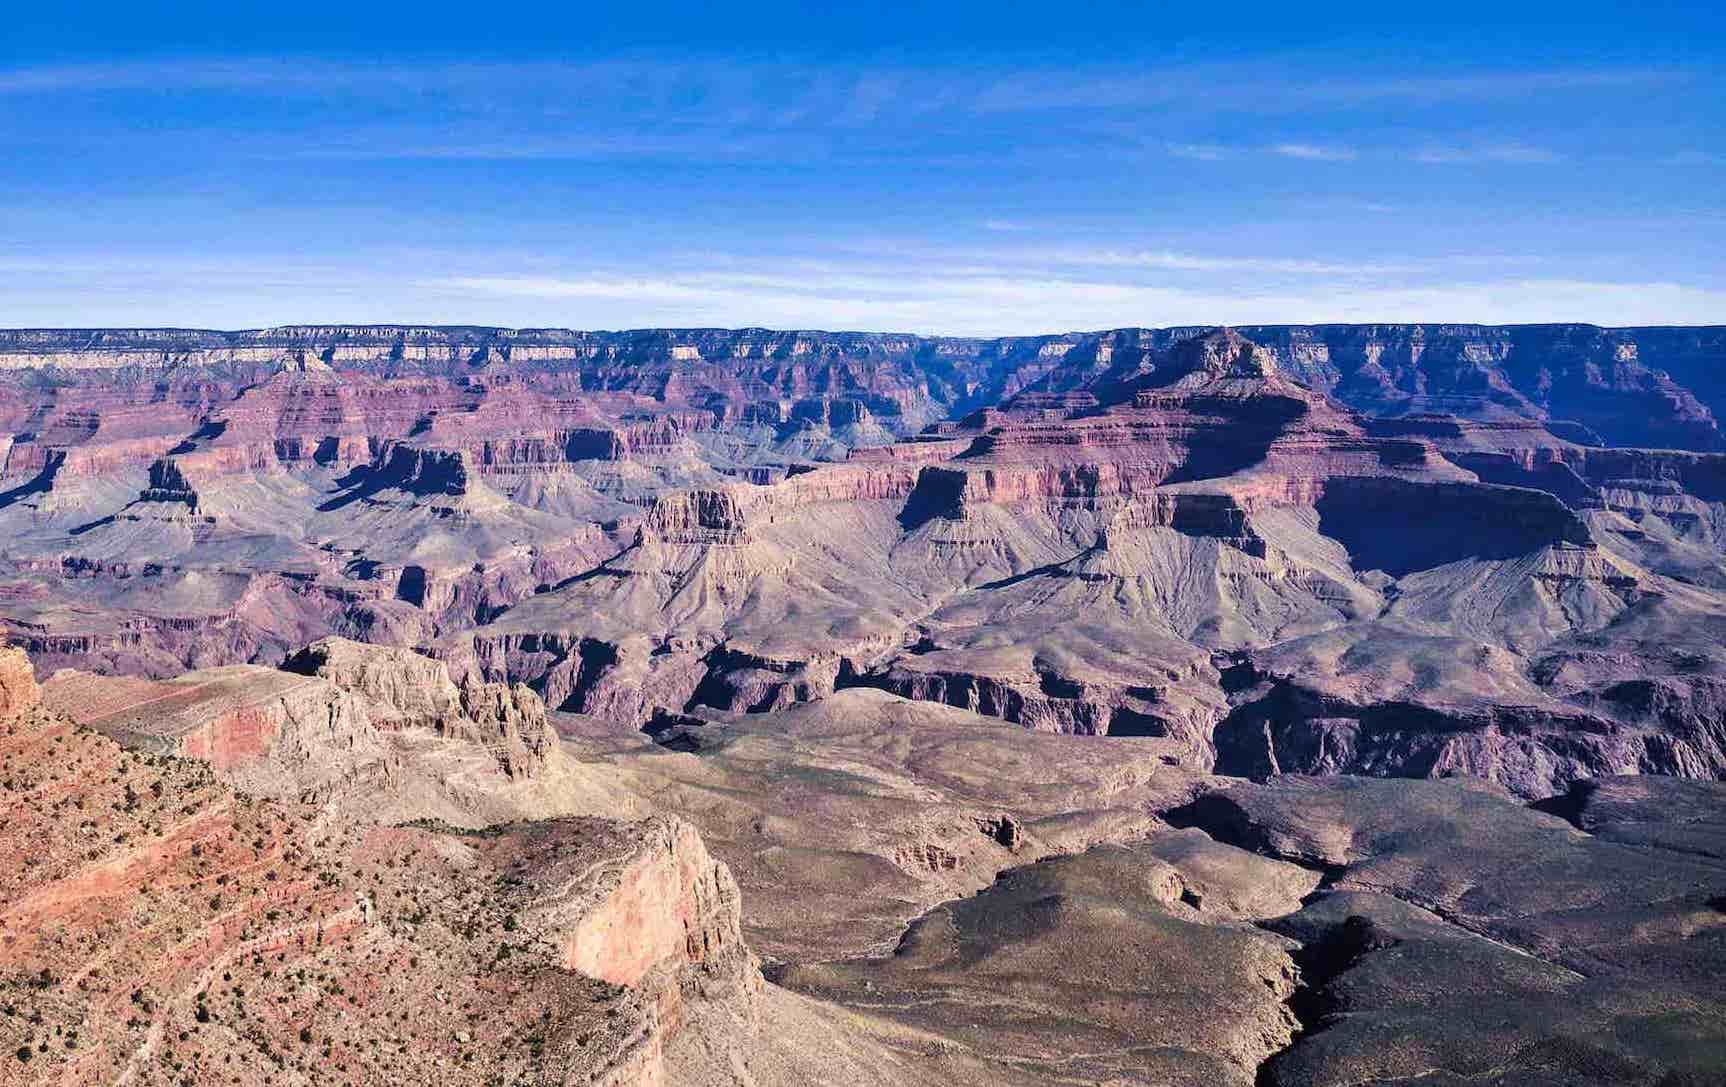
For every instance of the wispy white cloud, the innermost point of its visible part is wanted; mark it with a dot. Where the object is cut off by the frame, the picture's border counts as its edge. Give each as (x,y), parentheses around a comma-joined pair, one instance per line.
(1431,153)
(1203,152)
(1511,153)
(1312,152)
(1231,87)
(859,92)
(1168,260)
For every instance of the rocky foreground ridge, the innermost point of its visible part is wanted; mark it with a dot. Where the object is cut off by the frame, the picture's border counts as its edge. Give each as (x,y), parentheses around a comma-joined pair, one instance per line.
(163,923)
(943,900)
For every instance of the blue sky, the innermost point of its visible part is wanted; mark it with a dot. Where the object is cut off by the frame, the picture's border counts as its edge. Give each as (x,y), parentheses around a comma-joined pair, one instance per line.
(960,168)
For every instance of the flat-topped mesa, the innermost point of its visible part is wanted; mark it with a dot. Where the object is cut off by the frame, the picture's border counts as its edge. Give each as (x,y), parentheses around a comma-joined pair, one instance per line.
(422,471)
(930,447)
(707,516)
(168,483)
(631,438)
(862,479)
(1218,516)
(1458,519)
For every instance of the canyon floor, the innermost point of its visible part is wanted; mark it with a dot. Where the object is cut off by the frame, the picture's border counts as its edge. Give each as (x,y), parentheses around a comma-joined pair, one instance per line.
(1331,705)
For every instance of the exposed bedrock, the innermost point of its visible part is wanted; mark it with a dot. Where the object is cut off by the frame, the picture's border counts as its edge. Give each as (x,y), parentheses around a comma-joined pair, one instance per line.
(237,616)
(672,523)
(668,900)
(570,672)
(169,483)
(953,494)
(1645,387)
(18,689)
(1668,725)
(414,691)
(745,682)
(422,472)
(696,517)
(1531,750)
(629,682)
(360,728)
(1043,699)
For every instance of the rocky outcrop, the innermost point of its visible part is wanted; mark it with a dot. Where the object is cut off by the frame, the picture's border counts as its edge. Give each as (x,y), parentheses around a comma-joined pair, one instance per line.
(374,732)
(667,900)
(172,938)
(1403,554)
(18,690)
(269,733)
(407,690)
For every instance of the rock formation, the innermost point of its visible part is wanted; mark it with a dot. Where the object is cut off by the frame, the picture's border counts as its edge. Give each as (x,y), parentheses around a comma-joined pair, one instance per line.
(368,728)
(943,900)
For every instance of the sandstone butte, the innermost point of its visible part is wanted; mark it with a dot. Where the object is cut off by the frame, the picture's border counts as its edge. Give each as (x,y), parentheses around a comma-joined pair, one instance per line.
(477,705)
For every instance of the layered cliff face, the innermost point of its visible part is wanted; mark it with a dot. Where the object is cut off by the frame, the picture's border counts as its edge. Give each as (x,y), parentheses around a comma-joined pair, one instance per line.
(408,691)
(359,728)
(18,690)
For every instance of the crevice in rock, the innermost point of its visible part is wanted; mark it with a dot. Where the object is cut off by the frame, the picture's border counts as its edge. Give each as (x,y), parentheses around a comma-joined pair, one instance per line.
(1568,805)
(1318,964)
